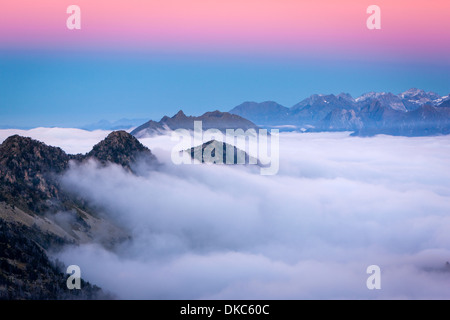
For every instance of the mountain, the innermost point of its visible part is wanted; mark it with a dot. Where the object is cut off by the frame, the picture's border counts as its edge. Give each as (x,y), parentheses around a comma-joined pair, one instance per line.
(311,111)
(340,119)
(415,98)
(308,112)
(206,153)
(406,101)
(31,188)
(38,213)
(263,113)
(388,100)
(426,120)
(445,104)
(121,148)
(210,120)
(28,170)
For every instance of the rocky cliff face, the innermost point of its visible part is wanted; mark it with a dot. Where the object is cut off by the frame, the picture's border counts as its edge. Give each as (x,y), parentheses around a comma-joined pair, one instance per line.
(28,173)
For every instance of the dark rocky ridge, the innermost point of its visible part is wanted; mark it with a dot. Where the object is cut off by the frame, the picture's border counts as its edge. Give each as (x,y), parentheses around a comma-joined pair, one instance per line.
(29,170)
(31,194)
(121,148)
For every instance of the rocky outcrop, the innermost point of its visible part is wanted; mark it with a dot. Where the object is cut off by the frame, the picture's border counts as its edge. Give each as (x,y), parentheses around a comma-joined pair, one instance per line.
(121,148)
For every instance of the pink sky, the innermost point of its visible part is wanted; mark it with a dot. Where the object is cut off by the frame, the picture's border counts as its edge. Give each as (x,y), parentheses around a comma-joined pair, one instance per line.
(414,28)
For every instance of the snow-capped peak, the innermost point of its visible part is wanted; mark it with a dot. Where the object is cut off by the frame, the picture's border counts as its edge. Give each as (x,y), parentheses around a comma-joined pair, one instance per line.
(370,95)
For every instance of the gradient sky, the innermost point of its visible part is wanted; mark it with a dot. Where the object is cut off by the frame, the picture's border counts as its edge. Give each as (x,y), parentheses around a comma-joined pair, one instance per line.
(145,59)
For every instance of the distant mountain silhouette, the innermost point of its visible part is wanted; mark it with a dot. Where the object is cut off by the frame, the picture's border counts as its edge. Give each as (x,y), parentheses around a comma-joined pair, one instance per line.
(426,120)
(122,124)
(264,113)
(215,119)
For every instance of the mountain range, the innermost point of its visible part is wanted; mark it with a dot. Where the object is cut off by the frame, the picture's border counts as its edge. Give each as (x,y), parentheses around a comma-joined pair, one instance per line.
(411,113)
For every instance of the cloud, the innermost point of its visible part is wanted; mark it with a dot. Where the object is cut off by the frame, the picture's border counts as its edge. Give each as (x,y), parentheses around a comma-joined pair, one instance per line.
(337,205)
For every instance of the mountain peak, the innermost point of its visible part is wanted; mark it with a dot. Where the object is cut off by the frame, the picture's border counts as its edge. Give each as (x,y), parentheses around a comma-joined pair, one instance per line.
(414,98)
(17,142)
(179,114)
(370,95)
(206,153)
(16,151)
(346,96)
(120,134)
(215,113)
(121,148)
(27,168)
(411,93)
(30,169)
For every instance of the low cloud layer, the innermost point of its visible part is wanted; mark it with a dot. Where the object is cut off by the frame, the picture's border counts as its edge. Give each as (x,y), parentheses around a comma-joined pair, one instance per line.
(337,205)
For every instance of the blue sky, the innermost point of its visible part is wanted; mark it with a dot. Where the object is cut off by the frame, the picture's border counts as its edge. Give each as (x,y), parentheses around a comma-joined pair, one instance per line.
(74,89)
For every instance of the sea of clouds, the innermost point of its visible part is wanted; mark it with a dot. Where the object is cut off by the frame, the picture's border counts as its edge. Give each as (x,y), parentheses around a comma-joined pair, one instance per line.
(337,205)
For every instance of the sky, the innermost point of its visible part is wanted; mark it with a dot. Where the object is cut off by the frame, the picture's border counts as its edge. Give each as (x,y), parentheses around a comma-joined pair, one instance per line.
(147,59)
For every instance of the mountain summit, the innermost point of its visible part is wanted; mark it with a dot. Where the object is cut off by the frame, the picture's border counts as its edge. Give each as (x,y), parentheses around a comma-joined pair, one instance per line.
(121,148)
